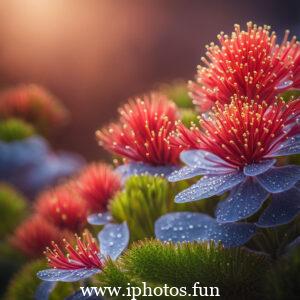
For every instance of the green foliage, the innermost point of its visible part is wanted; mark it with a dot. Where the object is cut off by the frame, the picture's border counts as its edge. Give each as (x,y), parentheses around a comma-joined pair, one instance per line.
(25,282)
(15,129)
(145,199)
(236,272)
(274,240)
(13,208)
(290,95)
(189,116)
(283,281)
(178,92)
(10,261)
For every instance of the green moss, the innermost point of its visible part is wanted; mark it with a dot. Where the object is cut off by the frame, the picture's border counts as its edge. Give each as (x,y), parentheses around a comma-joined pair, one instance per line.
(15,129)
(188,116)
(145,199)
(24,284)
(13,209)
(283,281)
(236,272)
(178,92)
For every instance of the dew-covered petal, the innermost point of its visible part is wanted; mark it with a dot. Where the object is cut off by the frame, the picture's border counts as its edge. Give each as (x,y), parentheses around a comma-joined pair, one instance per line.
(284,84)
(114,239)
(244,200)
(80,274)
(100,218)
(79,296)
(44,290)
(282,210)
(190,172)
(209,186)
(277,180)
(130,169)
(53,274)
(259,168)
(289,147)
(66,275)
(189,227)
(203,159)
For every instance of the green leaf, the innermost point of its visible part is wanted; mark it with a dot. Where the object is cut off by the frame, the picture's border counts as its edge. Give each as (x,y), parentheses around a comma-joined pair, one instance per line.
(13,209)
(15,129)
(178,92)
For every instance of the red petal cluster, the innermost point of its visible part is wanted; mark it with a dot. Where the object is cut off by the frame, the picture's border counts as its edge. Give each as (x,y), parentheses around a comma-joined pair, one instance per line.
(142,132)
(63,207)
(84,255)
(242,133)
(34,235)
(34,104)
(247,64)
(97,184)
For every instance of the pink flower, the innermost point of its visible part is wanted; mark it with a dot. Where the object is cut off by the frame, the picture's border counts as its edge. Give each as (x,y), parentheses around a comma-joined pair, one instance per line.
(62,207)
(84,255)
(97,184)
(34,235)
(141,135)
(248,64)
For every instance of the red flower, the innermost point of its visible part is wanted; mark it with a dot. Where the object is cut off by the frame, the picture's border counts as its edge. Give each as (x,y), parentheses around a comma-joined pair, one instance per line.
(63,207)
(34,104)
(34,235)
(248,64)
(97,184)
(142,132)
(242,133)
(84,255)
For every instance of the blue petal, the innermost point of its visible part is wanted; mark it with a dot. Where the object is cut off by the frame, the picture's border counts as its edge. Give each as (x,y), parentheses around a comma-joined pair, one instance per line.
(80,274)
(282,210)
(188,227)
(186,173)
(245,200)
(281,179)
(22,153)
(79,296)
(130,169)
(114,239)
(66,275)
(209,186)
(53,274)
(100,218)
(44,290)
(259,168)
(289,147)
(204,159)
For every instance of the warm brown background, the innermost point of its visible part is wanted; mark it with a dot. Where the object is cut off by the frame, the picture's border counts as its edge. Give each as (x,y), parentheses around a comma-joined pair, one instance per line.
(95,54)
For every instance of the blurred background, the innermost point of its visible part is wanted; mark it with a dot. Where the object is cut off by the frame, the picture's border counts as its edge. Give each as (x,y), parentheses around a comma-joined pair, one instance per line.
(94,54)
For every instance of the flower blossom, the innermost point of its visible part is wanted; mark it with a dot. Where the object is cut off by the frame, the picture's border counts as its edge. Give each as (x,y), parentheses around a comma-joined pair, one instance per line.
(97,184)
(62,207)
(248,64)
(33,104)
(141,135)
(85,258)
(34,235)
(236,150)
